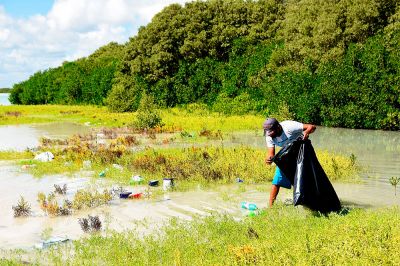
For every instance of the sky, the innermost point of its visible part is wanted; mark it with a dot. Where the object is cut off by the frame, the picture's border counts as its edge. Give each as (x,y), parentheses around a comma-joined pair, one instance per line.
(37,35)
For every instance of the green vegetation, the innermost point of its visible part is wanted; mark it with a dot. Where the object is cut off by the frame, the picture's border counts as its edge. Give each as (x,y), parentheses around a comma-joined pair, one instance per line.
(192,118)
(332,63)
(282,235)
(202,165)
(5,90)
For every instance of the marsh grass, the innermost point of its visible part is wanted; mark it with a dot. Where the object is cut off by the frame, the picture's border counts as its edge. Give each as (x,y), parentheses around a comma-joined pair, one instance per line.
(175,119)
(208,164)
(283,235)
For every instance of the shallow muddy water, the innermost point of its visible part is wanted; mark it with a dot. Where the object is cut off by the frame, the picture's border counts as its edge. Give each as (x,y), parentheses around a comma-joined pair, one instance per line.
(119,215)
(21,137)
(378,151)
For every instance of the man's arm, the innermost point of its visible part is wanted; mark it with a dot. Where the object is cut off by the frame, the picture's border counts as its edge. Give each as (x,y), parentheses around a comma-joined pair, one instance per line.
(307,130)
(270,154)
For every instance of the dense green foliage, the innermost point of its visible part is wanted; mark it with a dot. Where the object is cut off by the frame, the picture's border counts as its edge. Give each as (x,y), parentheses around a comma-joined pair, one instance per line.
(333,63)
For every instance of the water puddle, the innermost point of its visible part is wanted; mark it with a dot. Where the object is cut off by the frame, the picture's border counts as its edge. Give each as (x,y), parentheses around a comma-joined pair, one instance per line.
(21,137)
(119,215)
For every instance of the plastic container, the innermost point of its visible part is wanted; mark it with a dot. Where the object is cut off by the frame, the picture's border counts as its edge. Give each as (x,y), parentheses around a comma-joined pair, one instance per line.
(102,174)
(168,183)
(124,195)
(153,183)
(135,196)
(136,180)
(249,206)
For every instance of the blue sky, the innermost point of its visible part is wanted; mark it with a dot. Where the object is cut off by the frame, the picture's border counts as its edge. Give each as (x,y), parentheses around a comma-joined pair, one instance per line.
(26,8)
(41,34)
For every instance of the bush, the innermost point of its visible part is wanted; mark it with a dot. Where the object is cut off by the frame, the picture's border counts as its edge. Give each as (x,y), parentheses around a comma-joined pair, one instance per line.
(148,115)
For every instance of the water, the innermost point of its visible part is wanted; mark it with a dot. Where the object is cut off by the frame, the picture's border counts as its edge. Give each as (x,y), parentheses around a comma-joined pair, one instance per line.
(4,99)
(21,137)
(378,151)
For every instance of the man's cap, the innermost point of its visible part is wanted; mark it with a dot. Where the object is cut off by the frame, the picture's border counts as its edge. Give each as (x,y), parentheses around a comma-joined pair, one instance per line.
(270,125)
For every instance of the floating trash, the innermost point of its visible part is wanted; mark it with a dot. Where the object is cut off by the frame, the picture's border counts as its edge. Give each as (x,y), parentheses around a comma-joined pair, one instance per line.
(44,157)
(137,179)
(153,183)
(168,183)
(135,196)
(52,241)
(124,195)
(249,206)
(117,166)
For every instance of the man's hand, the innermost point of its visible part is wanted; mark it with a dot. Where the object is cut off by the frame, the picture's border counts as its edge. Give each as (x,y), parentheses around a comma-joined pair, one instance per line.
(270,155)
(307,130)
(268,160)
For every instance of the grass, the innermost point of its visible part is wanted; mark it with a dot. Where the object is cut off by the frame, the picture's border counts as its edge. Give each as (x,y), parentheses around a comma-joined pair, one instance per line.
(174,118)
(283,235)
(217,165)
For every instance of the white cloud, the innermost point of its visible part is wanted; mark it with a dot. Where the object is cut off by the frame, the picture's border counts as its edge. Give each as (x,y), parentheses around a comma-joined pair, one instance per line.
(71,29)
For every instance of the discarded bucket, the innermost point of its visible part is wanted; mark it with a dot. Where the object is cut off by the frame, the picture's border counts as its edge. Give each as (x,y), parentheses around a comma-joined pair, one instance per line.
(124,195)
(153,183)
(168,183)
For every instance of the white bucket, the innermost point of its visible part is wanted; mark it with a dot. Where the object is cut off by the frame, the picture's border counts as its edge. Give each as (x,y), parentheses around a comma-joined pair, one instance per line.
(168,183)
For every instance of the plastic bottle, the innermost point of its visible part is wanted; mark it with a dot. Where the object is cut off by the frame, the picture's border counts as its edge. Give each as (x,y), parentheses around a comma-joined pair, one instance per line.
(249,206)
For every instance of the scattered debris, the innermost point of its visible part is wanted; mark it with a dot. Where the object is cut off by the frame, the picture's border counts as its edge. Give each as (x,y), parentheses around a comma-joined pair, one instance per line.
(117,166)
(137,179)
(153,183)
(124,195)
(44,157)
(136,195)
(52,241)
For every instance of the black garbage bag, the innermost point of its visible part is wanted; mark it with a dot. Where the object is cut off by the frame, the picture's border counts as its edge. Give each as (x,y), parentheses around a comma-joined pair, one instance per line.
(311,186)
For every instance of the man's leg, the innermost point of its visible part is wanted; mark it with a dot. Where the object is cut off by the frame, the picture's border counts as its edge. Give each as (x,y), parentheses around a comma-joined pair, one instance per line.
(272,196)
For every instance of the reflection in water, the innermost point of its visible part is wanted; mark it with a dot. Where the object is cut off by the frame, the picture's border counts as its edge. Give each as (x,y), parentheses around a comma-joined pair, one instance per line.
(21,137)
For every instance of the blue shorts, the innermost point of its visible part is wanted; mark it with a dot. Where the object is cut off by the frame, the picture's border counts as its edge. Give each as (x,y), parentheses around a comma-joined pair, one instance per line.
(280,179)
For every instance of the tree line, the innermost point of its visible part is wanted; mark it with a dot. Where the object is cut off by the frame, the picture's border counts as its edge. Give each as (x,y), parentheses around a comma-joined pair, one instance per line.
(333,63)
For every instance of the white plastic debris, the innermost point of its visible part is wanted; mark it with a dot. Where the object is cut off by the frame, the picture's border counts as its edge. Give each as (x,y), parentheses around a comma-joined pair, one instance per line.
(87,164)
(44,156)
(117,166)
(51,241)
